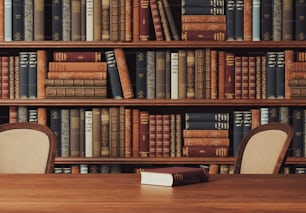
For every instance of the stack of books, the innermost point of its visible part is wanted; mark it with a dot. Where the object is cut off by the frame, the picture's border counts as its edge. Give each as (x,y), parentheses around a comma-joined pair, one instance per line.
(203,20)
(206,134)
(76,74)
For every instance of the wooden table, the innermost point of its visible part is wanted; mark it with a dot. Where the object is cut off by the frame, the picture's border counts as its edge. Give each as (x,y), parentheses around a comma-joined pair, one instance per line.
(123,193)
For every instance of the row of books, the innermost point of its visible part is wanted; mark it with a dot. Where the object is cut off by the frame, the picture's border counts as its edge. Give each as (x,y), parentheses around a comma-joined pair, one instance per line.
(161,74)
(88,169)
(83,20)
(139,133)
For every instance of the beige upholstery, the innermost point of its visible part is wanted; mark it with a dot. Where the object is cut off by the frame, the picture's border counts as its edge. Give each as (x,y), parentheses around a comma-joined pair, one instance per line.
(264,149)
(26,148)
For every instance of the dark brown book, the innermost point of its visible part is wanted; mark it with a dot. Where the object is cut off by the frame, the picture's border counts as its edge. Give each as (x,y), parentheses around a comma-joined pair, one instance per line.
(221,74)
(135,133)
(205,133)
(199,73)
(206,141)
(252,77)
(166,135)
(76,82)
(160,74)
(124,74)
(190,74)
(207,73)
(258,77)
(171,21)
(68,66)
(135,20)
(75,56)
(42,69)
(214,71)
(144,20)
(247,20)
(159,35)
(74,91)
(245,77)
(159,135)
(173,176)
(287,19)
(205,151)
(122,20)
(114,20)
(152,135)
(105,132)
(143,134)
(77,75)
(199,35)
(229,84)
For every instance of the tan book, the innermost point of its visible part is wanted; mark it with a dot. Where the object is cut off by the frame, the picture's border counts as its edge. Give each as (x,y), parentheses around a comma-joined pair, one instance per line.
(204,141)
(205,133)
(105,28)
(135,133)
(164,22)
(190,90)
(122,20)
(128,133)
(128,20)
(39,18)
(114,130)
(62,91)
(182,74)
(124,74)
(68,66)
(135,20)
(77,75)
(203,26)
(74,133)
(97,20)
(203,18)
(75,20)
(114,20)
(42,70)
(214,71)
(76,82)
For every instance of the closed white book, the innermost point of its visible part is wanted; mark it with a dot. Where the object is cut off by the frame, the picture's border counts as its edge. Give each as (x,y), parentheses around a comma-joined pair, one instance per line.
(89,20)
(7,20)
(88,133)
(174,75)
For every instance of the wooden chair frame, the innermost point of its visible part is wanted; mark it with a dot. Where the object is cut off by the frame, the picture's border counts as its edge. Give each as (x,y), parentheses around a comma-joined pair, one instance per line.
(266,127)
(41,128)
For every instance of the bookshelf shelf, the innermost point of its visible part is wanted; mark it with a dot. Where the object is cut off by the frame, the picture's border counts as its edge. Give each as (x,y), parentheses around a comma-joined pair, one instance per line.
(163,160)
(152,44)
(151,102)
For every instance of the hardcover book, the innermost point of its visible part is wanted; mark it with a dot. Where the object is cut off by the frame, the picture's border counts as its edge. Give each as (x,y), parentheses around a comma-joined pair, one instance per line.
(173,176)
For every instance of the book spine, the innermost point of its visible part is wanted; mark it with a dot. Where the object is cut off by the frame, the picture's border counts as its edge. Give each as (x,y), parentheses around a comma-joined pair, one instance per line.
(174,75)
(76,20)
(159,135)
(128,20)
(57,18)
(206,116)
(166,135)
(55,126)
(135,133)
(256,20)
(76,82)
(135,20)
(5,77)
(287,19)
(271,74)
(105,119)
(141,75)
(88,133)
(97,18)
(77,66)
(8,31)
(277,20)
(83,20)
(156,21)
(114,20)
(82,132)
(164,21)
(74,133)
(239,20)
(280,76)
(150,73)
(190,90)
(221,74)
(64,132)
(128,133)
(123,73)
(23,67)
(182,74)
(245,77)
(172,25)
(143,134)
(160,74)
(207,133)
(144,12)
(77,75)
(66,21)
(252,77)
(18,20)
(297,124)
(28,20)
(32,75)
(96,132)
(39,20)
(54,91)
(78,56)
(247,20)
(105,20)
(205,151)
(266,20)
(229,90)
(89,20)
(206,141)
(152,135)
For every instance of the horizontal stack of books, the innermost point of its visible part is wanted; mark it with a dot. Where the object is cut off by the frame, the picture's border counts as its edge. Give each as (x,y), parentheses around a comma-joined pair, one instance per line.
(206,134)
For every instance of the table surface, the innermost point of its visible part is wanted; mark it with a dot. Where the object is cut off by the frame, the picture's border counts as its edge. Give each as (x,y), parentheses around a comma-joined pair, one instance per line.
(124,193)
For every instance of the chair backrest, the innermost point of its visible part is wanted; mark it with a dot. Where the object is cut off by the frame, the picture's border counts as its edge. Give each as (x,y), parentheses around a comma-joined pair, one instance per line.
(26,148)
(263,150)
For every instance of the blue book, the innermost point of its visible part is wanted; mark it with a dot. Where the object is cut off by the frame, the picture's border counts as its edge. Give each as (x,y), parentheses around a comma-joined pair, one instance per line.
(230,20)
(32,75)
(23,74)
(271,74)
(266,15)
(239,14)
(280,75)
(18,20)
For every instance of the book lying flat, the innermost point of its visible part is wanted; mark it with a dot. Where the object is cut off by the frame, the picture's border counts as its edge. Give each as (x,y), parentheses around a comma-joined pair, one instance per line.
(173,176)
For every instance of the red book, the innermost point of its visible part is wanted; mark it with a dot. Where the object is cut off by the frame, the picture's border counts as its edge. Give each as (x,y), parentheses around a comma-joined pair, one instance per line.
(238,78)
(85,56)
(143,134)
(173,176)
(205,151)
(144,14)
(229,83)
(159,35)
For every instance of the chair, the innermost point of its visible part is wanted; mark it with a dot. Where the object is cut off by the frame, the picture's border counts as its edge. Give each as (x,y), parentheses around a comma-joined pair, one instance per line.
(26,148)
(263,149)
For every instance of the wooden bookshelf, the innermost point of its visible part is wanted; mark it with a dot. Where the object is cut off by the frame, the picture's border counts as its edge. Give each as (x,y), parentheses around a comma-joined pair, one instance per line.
(180,105)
